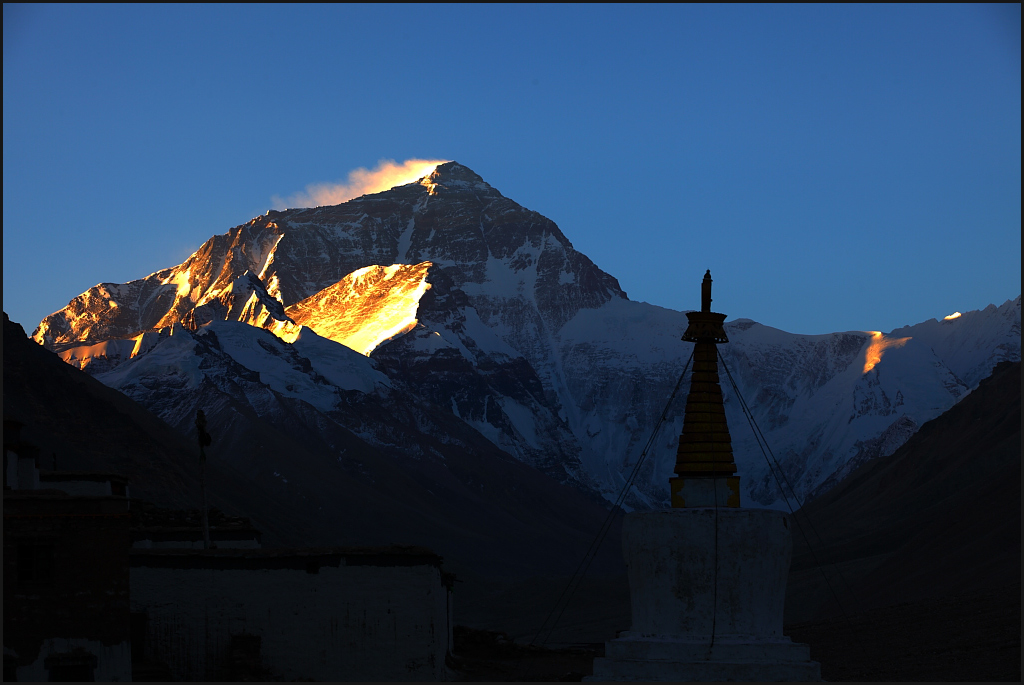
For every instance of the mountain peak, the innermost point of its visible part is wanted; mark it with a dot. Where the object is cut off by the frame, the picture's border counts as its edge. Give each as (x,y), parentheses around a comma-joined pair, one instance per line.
(453,175)
(453,171)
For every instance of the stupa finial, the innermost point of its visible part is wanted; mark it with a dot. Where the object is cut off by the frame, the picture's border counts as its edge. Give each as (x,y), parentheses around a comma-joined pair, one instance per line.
(705,292)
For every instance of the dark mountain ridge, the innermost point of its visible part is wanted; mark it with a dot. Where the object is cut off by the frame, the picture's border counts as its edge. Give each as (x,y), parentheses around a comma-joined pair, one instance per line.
(81,424)
(939,517)
(483,510)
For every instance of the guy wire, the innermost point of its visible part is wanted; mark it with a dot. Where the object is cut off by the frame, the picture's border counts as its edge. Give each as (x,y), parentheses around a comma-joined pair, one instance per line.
(759,437)
(595,544)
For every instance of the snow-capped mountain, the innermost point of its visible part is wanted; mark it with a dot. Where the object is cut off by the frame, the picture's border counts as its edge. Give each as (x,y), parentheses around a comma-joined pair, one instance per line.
(821,412)
(444,293)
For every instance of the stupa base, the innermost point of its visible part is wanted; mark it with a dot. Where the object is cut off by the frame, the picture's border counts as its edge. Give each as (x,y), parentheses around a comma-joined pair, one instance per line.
(667,658)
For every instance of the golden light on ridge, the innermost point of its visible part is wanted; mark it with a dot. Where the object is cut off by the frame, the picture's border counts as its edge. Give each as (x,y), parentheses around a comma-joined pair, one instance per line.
(879,344)
(954,315)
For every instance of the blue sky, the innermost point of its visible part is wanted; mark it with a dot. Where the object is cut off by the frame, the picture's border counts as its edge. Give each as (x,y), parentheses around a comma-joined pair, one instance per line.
(836,167)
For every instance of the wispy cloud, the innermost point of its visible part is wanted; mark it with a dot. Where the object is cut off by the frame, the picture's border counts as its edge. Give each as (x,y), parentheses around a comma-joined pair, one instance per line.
(387,174)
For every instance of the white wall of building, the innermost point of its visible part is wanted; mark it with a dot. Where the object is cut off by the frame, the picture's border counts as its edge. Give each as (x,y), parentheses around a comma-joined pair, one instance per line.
(341,623)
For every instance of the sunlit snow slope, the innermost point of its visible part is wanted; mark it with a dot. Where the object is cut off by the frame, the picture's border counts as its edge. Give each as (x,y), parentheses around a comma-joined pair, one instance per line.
(369,306)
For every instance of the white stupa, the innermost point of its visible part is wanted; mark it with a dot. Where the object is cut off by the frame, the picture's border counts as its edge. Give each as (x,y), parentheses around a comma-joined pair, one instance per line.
(707,578)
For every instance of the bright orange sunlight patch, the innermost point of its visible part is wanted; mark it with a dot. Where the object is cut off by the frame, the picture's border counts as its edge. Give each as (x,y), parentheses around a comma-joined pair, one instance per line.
(366,308)
(879,344)
(954,315)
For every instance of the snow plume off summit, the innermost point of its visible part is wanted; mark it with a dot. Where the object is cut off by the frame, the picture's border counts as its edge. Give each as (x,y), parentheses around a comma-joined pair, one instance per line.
(387,174)
(482,322)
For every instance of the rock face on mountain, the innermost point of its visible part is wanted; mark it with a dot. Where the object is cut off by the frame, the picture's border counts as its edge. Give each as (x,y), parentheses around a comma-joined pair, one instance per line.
(367,307)
(483,310)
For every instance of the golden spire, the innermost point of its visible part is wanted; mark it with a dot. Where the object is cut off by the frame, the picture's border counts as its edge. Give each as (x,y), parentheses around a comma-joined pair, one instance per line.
(705,469)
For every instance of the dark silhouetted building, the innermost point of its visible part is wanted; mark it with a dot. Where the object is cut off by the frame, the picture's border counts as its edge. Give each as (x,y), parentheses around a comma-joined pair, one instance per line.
(66,572)
(98,587)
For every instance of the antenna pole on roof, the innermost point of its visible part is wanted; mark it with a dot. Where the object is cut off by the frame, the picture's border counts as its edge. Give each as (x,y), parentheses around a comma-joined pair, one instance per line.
(204,440)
